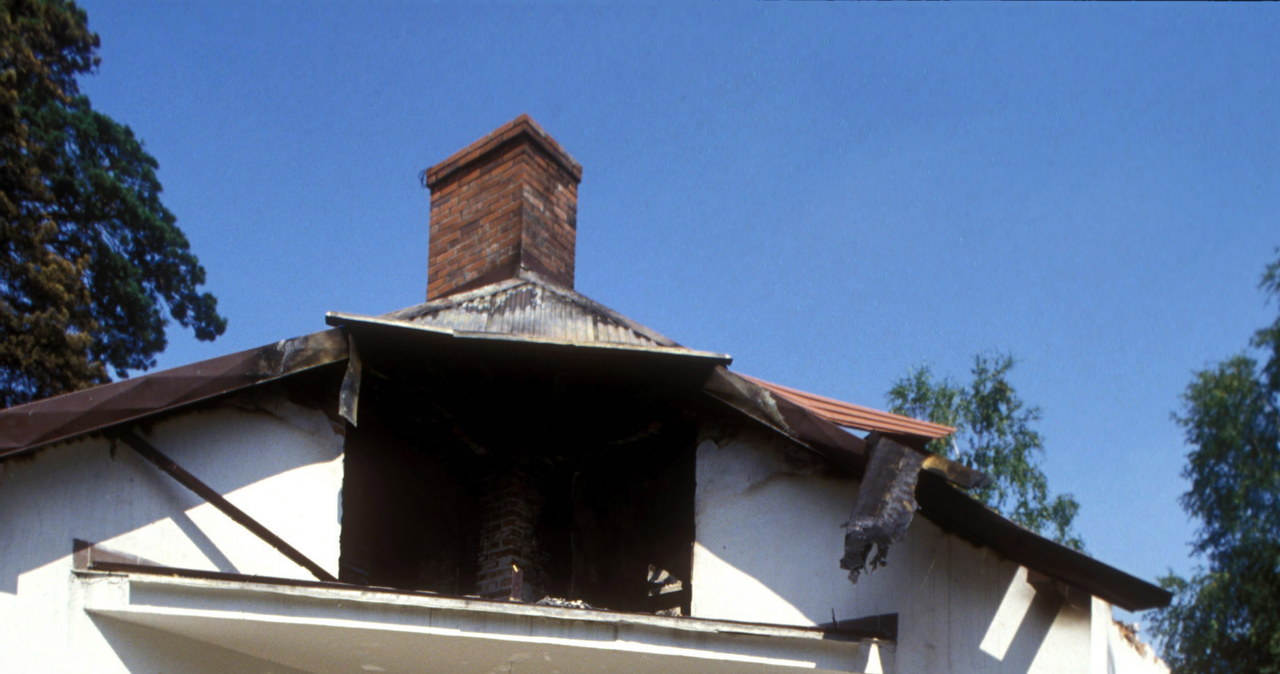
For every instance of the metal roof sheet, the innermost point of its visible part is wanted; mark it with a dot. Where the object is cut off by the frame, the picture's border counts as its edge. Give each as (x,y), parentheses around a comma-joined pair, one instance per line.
(531,306)
(357,320)
(38,423)
(849,415)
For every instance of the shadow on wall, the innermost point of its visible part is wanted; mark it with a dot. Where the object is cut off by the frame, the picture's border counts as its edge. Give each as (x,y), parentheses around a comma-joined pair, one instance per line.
(145,649)
(201,540)
(90,490)
(1030,635)
(770,525)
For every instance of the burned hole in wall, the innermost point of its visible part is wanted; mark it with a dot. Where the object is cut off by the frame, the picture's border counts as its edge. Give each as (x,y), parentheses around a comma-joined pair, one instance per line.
(573,483)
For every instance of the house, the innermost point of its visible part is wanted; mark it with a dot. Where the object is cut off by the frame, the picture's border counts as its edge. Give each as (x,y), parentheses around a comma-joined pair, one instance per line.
(511,477)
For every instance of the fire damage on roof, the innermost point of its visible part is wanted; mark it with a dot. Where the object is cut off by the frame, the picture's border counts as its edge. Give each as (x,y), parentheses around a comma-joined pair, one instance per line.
(513,439)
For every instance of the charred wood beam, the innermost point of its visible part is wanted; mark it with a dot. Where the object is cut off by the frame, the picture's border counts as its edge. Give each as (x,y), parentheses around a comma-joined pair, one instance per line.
(800,424)
(164,463)
(884,506)
(787,419)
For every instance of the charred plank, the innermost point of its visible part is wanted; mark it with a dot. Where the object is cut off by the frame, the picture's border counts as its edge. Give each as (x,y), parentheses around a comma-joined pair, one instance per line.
(884,506)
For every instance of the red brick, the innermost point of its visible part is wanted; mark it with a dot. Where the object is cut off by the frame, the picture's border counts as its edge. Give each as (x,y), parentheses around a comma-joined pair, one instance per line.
(511,196)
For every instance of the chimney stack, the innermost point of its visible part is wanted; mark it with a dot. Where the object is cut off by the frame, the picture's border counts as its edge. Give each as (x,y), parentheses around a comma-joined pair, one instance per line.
(506,204)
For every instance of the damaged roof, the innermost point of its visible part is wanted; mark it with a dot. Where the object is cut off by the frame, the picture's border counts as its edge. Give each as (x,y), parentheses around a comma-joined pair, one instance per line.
(529,305)
(534,314)
(849,415)
(70,415)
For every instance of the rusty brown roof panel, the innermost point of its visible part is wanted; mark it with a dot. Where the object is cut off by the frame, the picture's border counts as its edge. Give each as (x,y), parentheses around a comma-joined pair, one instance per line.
(805,424)
(62,417)
(856,416)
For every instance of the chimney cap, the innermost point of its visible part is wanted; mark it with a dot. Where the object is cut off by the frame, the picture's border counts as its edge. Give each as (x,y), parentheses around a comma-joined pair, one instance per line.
(511,131)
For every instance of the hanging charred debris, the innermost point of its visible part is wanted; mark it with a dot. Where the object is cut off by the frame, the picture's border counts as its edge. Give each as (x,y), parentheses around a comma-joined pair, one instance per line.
(884,505)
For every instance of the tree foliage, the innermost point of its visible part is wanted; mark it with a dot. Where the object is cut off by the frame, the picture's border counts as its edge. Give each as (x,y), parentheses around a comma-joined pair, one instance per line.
(995,434)
(1227,617)
(90,259)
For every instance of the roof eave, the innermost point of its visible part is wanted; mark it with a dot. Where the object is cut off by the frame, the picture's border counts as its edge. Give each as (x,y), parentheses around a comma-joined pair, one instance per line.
(963,515)
(43,422)
(358,320)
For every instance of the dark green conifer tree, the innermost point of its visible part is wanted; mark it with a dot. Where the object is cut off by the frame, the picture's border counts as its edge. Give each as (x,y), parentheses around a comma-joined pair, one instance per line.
(92,264)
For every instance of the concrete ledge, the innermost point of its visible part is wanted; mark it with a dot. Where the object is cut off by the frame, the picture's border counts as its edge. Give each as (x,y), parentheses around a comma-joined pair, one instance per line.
(318,629)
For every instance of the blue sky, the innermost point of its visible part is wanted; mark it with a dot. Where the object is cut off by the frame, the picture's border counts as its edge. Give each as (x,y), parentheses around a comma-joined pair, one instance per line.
(833,194)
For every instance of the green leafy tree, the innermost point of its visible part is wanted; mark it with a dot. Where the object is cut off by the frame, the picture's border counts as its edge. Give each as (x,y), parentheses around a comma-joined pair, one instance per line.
(996,435)
(91,261)
(1227,617)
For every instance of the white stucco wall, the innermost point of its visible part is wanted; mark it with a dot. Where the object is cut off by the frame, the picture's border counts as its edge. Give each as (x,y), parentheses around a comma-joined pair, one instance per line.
(768,543)
(1120,653)
(277,461)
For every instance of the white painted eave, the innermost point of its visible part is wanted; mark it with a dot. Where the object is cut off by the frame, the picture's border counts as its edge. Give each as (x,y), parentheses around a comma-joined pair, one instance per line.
(335,629)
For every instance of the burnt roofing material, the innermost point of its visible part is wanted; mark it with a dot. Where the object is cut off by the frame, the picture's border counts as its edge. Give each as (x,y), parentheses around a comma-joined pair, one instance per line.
(529,310)
(532,306)
(365,326)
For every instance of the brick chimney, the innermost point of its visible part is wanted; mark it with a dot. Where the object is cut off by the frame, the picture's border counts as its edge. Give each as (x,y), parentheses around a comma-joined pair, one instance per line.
(505,204)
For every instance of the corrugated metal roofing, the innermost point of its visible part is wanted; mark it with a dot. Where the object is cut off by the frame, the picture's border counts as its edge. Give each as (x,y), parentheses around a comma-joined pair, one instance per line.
(531,306)
(408,327)
(856,416)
